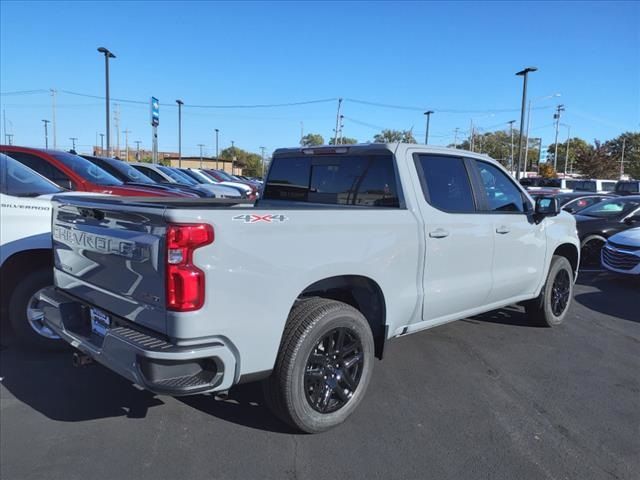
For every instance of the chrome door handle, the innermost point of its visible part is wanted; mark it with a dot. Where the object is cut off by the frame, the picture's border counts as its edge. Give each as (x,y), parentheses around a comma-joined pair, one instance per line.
(439,233)
(502,230)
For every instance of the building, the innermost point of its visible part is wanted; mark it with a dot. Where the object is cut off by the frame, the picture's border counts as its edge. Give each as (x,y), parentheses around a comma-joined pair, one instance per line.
(204,162)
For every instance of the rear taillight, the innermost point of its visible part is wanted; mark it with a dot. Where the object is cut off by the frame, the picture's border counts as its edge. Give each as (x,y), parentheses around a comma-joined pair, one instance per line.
(185,281)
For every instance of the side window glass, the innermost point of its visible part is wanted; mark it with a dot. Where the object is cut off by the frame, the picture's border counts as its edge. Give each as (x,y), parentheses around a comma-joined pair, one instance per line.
(501,192)
(445,183)
(156,177)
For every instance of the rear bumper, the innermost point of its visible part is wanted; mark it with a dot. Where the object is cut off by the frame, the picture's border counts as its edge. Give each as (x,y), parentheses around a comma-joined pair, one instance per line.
(142,357)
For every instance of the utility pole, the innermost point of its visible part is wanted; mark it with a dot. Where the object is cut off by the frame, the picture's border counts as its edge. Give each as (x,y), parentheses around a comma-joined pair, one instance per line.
(525,74)
(511,122)
(471,135)
(262,150)
(46,133)
(126,142)
(624,143)
(73,143)
(455,137)
(341,129)
(4,124)
(426,135)
(337,120)
(102,144)
(201,145)
(301,132)
(566,153)
(180,103)
(116,121)
(556,116)
(53,117)
(107,56)
(137,142)
(217,131)
(233,157)
(9,138)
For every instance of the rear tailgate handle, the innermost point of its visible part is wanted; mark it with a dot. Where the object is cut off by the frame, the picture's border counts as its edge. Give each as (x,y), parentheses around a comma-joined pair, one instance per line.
(439,233)
(502,230)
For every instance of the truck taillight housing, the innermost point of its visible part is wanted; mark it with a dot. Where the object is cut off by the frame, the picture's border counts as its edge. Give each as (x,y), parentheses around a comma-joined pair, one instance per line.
(185,281)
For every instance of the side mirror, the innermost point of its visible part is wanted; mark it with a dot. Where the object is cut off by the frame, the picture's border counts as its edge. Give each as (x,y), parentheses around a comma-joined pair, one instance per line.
(547,207)
(632,219)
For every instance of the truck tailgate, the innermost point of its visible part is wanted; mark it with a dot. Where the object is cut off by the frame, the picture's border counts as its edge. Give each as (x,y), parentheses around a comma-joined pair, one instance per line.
(111,254)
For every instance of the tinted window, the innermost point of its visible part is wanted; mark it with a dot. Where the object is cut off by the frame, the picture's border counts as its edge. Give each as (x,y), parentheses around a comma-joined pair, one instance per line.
(86,169)
(43,167)
(608,186)
(363,180)
(631,187)
(121,170)
(20,181)
(551,182)
(155,176)
(445,183)
(501,192)
(617,207)
(177,176)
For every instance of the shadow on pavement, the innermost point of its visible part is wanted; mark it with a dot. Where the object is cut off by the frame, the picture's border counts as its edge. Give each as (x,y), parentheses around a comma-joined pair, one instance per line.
(48,383)
(242,405)
(617,296)
(505,316)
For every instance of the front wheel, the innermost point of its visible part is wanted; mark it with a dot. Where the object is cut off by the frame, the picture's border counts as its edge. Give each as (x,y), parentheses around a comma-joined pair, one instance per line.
(323,367)
(552,305)
(26,315)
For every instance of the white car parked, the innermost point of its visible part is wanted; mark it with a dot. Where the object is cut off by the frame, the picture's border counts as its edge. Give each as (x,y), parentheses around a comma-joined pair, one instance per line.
(25,248)
(621,253)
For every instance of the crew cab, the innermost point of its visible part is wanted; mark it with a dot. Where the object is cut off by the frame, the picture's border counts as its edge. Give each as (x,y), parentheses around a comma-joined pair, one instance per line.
(72,172)
(349,247)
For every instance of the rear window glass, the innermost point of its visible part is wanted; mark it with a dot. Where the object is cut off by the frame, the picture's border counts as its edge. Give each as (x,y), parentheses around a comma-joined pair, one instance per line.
(20,181)
(360,180)
(86,169)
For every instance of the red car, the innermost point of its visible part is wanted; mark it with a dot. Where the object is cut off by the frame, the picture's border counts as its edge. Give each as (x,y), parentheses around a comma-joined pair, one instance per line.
(76,173)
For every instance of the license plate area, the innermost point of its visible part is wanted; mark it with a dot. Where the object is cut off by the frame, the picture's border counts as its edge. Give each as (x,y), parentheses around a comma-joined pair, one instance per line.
(100,322)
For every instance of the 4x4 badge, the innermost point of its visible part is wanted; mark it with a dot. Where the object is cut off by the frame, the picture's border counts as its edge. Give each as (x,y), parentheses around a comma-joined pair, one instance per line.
(254,218)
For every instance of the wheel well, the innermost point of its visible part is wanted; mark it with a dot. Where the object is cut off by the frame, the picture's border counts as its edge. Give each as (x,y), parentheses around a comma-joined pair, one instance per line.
(363,294)
(570,252)
(17,265)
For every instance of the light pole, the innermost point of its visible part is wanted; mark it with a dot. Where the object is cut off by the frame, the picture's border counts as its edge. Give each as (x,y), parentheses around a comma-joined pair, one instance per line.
(102,144)
(426,135)
(556,117)
(73,143)
(262,150)
(526,145)
(217,131)
(180,103)
(137,142)
(201,145)
(46,133)
(233,157)
(566,153)
(455,137)
(511,122)
(525,74)
(107,55)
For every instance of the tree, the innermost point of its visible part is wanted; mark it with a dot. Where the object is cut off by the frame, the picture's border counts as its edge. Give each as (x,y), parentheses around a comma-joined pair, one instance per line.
(251,163)
(311,140)
(394,136)
(343,141)
(545,170)
(631,142)
(498,146)
(596,162)
(577,149)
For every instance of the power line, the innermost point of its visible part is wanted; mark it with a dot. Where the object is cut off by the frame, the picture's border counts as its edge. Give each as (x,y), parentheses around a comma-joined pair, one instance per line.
(443,110)
(23,92)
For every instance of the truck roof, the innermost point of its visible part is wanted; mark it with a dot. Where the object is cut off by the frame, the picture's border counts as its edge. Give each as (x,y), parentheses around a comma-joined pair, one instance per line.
(396,148)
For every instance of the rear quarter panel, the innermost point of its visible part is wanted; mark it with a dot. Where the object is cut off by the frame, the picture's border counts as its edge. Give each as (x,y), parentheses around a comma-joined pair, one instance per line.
(256,270)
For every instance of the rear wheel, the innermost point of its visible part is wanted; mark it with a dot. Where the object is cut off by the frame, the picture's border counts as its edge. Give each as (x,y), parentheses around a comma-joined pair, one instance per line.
(26,315)
(323,367)
(552,305)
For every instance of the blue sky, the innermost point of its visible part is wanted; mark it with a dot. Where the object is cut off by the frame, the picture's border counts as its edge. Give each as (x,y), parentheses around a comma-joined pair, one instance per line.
(454,56)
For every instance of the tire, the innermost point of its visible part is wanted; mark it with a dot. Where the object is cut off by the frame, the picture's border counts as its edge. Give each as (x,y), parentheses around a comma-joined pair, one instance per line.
(547,310)
(24,298)
(308,392)
(590,249)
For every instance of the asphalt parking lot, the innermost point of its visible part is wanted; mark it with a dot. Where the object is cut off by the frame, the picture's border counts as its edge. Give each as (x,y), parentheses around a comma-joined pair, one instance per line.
(488,397)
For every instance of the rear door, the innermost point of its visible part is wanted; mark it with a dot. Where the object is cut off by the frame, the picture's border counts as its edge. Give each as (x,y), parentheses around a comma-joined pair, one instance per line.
(520,243)
(110,253)
(459,240)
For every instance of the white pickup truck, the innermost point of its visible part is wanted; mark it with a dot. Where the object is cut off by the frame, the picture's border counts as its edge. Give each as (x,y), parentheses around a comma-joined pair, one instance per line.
(26,258)
(349,247)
